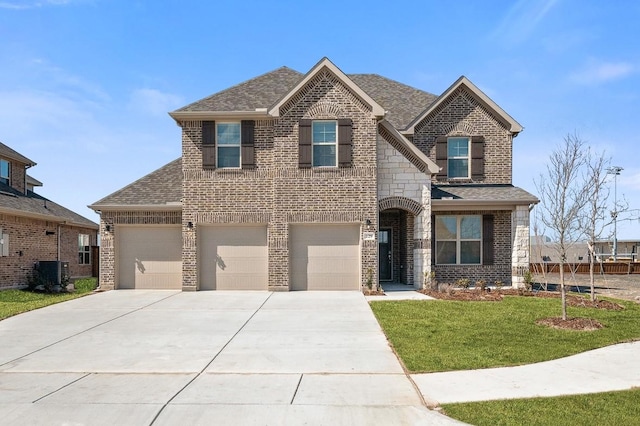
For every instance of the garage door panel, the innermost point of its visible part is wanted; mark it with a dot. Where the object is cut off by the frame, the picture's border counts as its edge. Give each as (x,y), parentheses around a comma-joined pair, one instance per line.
(233,257)
(150,257)
(325,257)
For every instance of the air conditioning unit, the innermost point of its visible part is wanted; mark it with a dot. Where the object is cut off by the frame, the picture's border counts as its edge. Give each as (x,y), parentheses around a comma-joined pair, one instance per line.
(54,271)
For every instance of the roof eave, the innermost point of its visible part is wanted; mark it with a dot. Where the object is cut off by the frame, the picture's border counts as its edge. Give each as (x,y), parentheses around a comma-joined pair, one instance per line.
(514,126)
(98,208)
(431,166)
(458,204)
(376,110)
(48,217)
(258,113)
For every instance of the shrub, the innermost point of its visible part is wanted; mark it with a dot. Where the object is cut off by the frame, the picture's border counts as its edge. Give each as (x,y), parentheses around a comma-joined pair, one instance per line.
(527,277)
(481,284)
(463,282)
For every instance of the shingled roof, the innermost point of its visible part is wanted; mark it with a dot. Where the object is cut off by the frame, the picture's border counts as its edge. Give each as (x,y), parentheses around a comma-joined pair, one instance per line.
(32,204)
(162,187)
(482,193)
(403,103)
(7,152)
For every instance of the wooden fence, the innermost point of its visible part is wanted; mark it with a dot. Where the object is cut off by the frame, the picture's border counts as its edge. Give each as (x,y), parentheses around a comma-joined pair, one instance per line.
(611,268)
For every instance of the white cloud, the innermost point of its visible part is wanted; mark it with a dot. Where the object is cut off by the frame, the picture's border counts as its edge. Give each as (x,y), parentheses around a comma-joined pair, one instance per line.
(153,102)
(601,72)
(26,4)
(521,20)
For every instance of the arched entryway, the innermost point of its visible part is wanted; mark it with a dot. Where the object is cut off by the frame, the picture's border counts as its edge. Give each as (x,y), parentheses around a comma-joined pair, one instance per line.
(397,216)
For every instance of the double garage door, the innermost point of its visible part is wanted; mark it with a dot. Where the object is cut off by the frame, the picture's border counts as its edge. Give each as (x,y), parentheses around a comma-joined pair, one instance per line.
(321,257)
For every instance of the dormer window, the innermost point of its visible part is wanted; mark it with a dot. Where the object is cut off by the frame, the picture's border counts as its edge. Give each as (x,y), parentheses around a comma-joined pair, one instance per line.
(5,169)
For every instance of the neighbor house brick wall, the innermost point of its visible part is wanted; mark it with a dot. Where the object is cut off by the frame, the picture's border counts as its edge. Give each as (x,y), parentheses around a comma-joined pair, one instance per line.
(28,244)
(278,192)
(463,115)
(500,270)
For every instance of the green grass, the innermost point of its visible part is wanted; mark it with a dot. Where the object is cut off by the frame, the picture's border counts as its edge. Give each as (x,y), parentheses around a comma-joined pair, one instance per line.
(443,335)
(14,302)
(610,408)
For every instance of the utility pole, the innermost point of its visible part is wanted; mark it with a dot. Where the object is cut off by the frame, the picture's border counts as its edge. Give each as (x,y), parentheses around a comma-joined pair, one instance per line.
(615,171)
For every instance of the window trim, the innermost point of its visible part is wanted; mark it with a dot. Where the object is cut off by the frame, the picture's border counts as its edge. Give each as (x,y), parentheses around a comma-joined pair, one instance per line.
(335,143)
(218,145)
(84,252)
(5,179)
(467,157)
(458,240)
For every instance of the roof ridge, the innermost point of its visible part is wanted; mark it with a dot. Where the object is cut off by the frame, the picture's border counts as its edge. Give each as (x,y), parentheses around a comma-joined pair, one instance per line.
(284,67)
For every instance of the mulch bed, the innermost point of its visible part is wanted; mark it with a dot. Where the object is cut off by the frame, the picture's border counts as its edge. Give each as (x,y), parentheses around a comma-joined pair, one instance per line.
(579,324)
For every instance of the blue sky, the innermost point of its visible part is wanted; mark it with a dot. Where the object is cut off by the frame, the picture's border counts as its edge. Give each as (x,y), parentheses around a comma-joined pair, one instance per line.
(86,84)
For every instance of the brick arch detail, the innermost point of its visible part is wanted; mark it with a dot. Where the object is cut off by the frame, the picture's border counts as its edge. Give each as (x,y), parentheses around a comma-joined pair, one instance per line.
(327,110)
(403,203)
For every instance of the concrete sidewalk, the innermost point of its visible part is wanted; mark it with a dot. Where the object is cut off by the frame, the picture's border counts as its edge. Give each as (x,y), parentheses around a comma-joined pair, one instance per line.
(607,369)
(174,358)
(602,370)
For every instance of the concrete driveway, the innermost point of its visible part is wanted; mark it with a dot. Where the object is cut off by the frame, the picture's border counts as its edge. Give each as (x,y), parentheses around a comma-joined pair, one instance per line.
(173,358)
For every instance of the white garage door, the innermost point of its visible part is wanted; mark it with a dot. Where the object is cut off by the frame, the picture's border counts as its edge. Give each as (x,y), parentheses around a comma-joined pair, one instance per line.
(325,257)
(233,257)
(149,257)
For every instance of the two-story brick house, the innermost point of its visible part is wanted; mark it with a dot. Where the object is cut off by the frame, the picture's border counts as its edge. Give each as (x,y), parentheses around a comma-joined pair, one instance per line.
(34,228)
(324,181)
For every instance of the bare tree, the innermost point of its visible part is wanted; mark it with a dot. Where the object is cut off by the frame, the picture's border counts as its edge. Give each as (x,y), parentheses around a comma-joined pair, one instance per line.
(593,218)
(563,193)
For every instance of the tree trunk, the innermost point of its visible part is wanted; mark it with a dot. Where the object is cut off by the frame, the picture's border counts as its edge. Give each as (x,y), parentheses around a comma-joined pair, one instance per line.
(592,266)
(563,293)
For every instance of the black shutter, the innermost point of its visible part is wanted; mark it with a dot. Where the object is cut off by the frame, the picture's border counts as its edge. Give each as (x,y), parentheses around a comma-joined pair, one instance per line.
(487,239)
(304,144)
(441,156)
(345,135)
(248,147)
(209,144)
(477,157)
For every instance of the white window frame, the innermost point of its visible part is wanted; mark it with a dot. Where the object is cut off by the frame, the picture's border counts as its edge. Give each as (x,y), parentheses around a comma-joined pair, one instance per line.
(5,179)
(238,145)
(84,250)
(458,240)
(314,143)
(467,157)
(4,244)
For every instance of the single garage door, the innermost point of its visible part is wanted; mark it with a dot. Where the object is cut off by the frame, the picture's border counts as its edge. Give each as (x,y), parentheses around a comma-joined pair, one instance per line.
(150,257)
(233,257)
(325,257)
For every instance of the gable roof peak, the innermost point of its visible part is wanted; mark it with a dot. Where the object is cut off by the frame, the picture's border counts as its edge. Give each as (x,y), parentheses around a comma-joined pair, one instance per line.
(463,82)
(376,109)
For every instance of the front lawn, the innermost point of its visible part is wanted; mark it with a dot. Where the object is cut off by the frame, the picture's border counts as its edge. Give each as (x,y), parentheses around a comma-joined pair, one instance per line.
(441,335)
(13,302)
(610,408)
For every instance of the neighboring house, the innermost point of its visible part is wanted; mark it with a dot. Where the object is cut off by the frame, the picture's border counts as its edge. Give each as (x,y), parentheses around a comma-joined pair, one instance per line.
(322,181)
(33,228)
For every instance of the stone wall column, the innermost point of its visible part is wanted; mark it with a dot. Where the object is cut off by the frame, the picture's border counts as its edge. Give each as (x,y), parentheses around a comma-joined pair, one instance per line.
(107,278)
(190,281)
(422,239)
(520,247)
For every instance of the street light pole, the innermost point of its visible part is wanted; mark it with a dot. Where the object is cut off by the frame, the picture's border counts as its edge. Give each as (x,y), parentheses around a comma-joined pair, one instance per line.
(615,171)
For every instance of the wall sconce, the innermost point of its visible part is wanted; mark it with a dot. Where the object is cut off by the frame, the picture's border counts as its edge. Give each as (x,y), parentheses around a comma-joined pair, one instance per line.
(368,223)
(49,233)
(107,228)
(190,225)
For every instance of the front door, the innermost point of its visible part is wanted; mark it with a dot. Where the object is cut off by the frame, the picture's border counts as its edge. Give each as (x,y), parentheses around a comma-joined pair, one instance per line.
(384,255)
